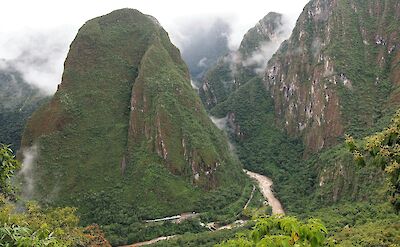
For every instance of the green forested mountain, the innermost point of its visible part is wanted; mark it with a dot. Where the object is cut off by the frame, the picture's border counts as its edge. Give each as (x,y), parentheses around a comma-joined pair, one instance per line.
(18,100)
(125,138)
(337,74)
(326,80)
(344,80)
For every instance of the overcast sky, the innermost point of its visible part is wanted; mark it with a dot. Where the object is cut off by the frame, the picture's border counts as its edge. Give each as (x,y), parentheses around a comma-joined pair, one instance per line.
(41,30)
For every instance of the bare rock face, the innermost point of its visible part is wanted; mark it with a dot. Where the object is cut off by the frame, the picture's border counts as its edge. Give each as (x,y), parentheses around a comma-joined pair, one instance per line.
(336,70)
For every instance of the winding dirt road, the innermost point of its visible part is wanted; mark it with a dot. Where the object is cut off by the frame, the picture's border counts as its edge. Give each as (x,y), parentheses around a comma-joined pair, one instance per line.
(153,241)
(265,185)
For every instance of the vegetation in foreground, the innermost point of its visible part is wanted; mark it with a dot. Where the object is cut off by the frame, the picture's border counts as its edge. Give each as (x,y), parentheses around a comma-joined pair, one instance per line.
(280,231)
(382,150)
(27,224)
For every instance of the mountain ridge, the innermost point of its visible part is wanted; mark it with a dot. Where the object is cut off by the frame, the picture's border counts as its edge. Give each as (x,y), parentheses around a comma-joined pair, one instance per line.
(237,67)
(336,67)
(322,82)
(125,120)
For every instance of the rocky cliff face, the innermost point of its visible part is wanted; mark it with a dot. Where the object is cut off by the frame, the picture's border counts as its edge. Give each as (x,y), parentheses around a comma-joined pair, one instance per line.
(236,68)
(336,74)
(167,116)
(339,70)
(124,121)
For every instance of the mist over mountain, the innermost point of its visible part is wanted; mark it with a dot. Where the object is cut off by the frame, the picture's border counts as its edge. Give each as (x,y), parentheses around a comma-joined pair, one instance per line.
(18,101)
(235,68)
(236,136)
(202,46)
(38,56)
(45,35)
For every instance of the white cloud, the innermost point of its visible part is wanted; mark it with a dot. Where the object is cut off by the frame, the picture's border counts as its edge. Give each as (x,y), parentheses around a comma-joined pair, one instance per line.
(29,159)
(260,58)
(194,85)
(23,22)
(219,122)
(202,62)
(38,54)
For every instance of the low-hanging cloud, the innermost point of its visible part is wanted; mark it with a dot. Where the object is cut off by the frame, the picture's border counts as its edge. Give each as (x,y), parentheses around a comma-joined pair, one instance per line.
(221,123)
(26,172)
(202,41)
(38,56)
(259,58)
(194,85)
(36,40)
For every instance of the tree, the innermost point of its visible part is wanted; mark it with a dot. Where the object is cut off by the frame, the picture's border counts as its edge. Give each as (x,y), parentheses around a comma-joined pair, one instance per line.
(52,227)
(382,150)
(8,166)
(280,231)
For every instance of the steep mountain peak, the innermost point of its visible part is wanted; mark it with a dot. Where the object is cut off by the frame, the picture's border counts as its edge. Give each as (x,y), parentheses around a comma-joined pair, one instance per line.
(237,67)
(126,122)
(127,15)
(269,28)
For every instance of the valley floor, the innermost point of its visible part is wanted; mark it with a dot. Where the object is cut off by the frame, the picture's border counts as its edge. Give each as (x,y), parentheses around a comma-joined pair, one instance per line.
(265,186)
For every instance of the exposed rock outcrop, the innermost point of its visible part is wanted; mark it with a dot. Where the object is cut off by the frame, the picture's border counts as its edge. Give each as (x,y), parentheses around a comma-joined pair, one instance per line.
(335,72)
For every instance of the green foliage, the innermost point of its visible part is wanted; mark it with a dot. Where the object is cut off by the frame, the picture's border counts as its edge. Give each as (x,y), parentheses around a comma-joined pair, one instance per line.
(138,232)
(23,236)
(218,210)
(352,214)
(8,167)
(366,64)
(220,83)
(360,223)
(38,227)
(377,233)
(124,223)
(230,73)
(327,184)
(203,239)
(282,231)
(261,146)
(337,179)
(382,150)
(256,36)
(35,226)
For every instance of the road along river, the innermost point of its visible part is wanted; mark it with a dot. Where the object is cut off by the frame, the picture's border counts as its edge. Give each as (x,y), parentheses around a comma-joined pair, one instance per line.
(264,183)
